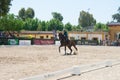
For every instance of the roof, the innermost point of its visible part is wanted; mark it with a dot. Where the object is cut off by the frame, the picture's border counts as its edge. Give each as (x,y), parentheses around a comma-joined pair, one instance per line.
(36,32)
(114,24)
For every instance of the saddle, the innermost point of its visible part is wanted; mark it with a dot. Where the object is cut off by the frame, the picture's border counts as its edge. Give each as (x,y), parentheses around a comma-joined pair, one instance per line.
(66,40)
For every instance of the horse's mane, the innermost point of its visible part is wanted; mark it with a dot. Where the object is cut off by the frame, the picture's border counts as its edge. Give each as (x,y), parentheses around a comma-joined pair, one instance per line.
(61,36)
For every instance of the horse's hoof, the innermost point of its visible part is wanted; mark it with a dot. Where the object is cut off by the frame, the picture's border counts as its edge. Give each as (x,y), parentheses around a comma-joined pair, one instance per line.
(64,54)
(75,53)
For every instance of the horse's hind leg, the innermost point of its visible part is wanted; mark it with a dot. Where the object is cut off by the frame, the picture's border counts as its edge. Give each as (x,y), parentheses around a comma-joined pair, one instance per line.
(75,47)
(70,49)
(65,50)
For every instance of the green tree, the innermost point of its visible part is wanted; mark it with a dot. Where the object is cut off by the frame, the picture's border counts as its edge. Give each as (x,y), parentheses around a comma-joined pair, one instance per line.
(42,26)
(11,23)
(117,16)
(57,16)
(86,19)
(101,27)
(68,26)
(24,14)
(21,13)
(78,28)
(31,24)
(74,28)
(54,24)
(4,7)
(30,13)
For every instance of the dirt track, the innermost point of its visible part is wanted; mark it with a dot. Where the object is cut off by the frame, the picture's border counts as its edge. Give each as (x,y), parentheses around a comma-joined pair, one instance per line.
(23,61)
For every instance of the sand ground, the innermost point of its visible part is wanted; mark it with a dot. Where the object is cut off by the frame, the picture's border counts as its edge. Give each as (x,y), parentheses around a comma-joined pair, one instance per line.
(24,61)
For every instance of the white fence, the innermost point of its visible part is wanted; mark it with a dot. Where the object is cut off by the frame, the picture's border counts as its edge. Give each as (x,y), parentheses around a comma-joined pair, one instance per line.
(75,70)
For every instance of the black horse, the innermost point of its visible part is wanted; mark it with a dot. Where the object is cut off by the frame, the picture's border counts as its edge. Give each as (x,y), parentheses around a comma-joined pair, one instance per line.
(68,43)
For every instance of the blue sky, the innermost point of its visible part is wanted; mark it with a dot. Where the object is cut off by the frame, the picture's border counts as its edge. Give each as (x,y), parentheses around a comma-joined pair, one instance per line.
(102,10)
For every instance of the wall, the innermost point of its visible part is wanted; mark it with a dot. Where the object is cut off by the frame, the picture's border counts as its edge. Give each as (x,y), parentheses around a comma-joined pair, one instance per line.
(88,35)
(113,32)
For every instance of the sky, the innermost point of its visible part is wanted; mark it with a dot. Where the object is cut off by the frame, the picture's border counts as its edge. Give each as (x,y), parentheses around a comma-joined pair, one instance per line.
(102,10)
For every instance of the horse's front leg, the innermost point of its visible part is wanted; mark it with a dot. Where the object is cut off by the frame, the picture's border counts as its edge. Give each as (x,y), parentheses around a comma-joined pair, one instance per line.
(59,48)
(65,50)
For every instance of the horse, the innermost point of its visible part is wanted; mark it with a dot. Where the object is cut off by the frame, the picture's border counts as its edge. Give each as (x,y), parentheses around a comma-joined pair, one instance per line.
(68,43)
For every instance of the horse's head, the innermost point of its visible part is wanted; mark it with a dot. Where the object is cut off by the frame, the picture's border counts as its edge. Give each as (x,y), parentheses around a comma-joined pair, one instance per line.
(61,36)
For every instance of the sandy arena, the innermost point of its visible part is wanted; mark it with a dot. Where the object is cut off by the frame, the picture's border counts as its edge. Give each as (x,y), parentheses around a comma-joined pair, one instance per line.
(18,62)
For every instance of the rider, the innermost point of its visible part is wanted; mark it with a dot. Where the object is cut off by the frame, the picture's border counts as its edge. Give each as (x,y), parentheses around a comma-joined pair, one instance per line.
(65,35)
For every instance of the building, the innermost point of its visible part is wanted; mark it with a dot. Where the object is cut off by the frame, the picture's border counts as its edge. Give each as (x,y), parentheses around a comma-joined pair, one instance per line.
(40,37)
(114,31)
(88,35)
(37,34)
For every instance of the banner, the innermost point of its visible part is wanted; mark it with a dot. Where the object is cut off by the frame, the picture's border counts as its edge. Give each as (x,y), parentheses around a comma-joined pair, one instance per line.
(24,42)
(43,42)
(12,41)
(57,42)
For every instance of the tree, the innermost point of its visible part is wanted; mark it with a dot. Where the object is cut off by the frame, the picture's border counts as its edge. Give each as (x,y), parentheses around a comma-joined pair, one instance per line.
(101,27)
(42,26)
(86,19)
(57,16)
(76,28)
(31,24)
(11,23)
(29,13)
(21,13)
(24,14)
(117,16)
(68,26)
(55,25)
(4,7)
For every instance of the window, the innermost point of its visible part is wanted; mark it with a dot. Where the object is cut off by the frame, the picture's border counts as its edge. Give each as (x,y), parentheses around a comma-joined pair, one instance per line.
(46,36)
(72,38)
(83,38)
(52,37)
(41,37)
(95,39)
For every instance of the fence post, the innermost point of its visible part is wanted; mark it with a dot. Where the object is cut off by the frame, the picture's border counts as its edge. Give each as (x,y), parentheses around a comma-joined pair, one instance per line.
(108,64)
(76,70)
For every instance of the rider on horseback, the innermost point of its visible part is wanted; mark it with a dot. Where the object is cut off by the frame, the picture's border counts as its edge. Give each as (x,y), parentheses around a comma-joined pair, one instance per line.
(66,36)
